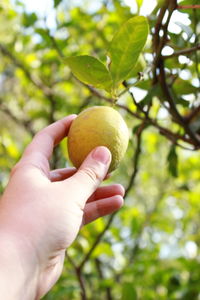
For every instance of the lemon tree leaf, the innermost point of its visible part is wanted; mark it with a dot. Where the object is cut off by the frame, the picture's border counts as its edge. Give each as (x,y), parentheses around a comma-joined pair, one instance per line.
(91,71)
(128,292)
(173,161)
(139,3)
(126,47)
(57,2)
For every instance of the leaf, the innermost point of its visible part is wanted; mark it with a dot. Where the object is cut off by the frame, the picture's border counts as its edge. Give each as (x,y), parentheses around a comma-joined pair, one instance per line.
(103,249)
(126,47)
(173,161)
(128,292)
(57,2)
(139,3)
(44,34)
(184,87)
(91,71)
(153,91)
(29,19)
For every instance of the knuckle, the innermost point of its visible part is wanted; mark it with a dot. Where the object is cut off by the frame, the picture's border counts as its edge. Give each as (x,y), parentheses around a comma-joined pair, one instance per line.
(92,174)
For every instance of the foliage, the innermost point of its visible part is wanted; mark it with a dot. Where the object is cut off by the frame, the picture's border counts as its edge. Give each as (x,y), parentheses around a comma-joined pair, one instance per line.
(148,250)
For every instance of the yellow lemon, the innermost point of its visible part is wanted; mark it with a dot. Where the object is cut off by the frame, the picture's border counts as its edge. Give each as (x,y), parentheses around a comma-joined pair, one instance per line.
(98,126)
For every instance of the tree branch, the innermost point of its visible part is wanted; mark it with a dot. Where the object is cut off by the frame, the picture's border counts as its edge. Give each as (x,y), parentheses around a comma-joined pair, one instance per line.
(46,90)
(79,277)
(160,69)
(182,52)
(197,6)
(99,269)
(146,222)
(192,114)
(25,123)
(172,136)
(136,158)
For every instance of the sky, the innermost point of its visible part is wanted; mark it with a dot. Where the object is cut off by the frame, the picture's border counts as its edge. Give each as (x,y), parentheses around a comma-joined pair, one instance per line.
(45,8)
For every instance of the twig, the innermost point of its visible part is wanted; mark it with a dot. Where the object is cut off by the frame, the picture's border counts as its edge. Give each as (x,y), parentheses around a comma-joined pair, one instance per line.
(97,241)
(28,74)
(136,158)
(195,42)
(25,123)
(79,277)
(192,114)
(179,118)
(182,52)
(166,132)
(159,65)
(99,269)
(195,6)
(131,85)
(55,45)
(146,222)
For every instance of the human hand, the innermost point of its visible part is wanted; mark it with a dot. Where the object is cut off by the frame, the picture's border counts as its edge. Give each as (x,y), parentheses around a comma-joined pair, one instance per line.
(42,211)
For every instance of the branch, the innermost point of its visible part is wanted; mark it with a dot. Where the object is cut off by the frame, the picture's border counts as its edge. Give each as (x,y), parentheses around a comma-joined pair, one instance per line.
(146,222)
(196,41)
(192,114)
(179,118)
(97,241)
(79,277)
(55,45)
(136,159)
(45,89)
(197,6)
(99,269)
(25,123)
(164,131)
(127,87)
(182,52)
(160,69)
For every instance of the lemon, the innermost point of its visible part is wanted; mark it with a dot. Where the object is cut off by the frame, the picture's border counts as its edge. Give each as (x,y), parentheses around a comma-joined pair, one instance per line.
(98,126)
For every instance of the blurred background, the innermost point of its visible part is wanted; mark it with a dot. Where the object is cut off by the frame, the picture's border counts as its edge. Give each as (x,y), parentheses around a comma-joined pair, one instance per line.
(150,248)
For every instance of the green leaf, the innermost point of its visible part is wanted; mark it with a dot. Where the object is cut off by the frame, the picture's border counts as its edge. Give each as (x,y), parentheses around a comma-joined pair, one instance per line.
(29,19)
(57,2)
(128,292)
(173,161)
(91,71)
(44,34)
(153,91)
(126,47)
(184,87)
(139,3)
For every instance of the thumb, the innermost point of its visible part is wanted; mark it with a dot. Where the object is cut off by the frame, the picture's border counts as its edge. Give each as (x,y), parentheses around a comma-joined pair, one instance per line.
(92,172)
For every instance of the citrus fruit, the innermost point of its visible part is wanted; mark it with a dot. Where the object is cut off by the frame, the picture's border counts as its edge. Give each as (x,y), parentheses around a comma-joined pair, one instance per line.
(98,126)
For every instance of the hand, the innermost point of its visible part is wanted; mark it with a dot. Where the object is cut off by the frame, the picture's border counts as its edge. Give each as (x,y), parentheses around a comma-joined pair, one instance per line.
(41,211)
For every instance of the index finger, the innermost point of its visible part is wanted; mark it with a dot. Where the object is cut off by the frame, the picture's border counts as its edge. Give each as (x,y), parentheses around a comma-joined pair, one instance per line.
(40,149)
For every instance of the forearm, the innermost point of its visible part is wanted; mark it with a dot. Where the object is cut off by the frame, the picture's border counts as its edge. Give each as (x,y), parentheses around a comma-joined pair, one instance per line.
(18,271)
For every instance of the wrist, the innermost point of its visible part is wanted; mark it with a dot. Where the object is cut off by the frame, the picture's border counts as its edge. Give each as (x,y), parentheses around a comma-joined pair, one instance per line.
(19,272)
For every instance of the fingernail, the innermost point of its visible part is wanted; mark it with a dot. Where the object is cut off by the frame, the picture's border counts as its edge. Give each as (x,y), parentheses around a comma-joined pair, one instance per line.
(102,154)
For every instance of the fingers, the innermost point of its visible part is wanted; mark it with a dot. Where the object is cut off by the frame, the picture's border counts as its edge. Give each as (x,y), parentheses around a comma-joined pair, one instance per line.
(40,149)
(62,174)
(107,191)
(91,173)
(100,208)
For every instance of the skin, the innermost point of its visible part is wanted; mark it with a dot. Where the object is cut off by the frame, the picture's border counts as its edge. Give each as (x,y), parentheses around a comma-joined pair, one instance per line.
(42,211)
